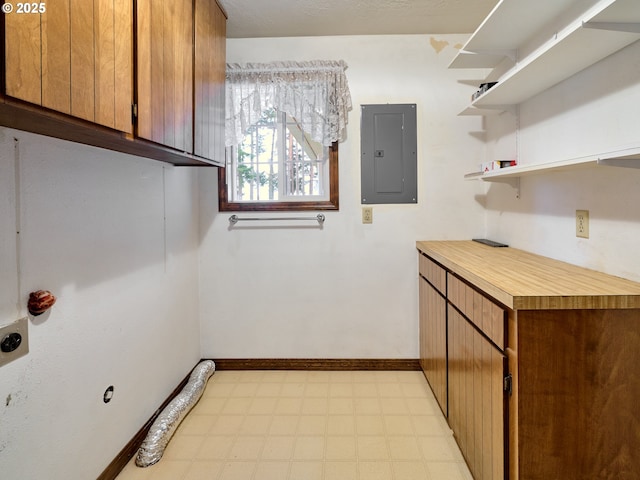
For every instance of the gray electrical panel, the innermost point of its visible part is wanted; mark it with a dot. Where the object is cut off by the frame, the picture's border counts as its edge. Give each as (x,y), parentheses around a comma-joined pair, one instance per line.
(389,161)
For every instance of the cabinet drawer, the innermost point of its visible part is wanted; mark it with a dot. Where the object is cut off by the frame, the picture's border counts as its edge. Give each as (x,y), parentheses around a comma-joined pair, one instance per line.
(480,310)
(433,272)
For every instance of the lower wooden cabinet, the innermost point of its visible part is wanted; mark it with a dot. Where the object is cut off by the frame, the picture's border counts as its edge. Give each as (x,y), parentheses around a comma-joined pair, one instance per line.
(461,354)
(540,363)
(476,397)
(578,394)
(433,340)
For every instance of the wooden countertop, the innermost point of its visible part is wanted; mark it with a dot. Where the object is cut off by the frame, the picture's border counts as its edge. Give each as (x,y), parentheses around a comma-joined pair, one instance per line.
(525,281)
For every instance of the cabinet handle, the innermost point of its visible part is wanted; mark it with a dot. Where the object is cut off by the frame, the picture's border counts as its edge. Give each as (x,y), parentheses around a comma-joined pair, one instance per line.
(508,384)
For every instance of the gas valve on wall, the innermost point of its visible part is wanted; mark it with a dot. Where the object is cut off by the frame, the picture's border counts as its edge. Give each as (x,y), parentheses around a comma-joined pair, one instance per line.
(40,301)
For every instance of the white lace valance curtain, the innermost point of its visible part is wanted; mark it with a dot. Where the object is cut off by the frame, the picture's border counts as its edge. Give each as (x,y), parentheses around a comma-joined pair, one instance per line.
(315,93)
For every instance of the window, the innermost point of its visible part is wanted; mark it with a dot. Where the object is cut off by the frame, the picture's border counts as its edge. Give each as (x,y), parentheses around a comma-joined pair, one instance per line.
(283,123)
(278,166)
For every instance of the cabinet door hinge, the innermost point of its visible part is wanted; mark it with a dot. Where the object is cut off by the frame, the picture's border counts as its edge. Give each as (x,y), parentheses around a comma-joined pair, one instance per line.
(508,384)
(134,112)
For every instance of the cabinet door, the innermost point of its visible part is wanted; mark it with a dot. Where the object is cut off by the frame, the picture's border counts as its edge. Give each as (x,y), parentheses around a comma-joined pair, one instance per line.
(113,37)
(23,66)
(209,72)
(165,72)
(76,58)
(476,398)
(433,341)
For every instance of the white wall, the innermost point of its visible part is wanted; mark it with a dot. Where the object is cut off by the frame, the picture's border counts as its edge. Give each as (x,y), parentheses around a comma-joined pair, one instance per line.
(94,232)
(593,112)
(348,290)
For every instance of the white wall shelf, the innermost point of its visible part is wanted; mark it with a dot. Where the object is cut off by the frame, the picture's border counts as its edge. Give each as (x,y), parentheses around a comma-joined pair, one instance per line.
(626,157)
(509,25)
(607,27)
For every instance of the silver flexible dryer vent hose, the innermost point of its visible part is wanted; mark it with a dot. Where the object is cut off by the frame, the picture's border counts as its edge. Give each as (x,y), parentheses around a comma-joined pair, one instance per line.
(168,421)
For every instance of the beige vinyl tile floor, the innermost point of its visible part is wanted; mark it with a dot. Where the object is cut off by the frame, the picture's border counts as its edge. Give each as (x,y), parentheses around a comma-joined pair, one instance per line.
(311,425)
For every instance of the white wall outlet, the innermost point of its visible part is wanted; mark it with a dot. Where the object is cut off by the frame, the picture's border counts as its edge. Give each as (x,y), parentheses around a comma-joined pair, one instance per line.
(582,223)
(367,214)
(14,341)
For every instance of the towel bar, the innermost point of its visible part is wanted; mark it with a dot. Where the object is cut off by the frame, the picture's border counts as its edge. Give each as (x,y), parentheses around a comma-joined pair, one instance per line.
(233,219)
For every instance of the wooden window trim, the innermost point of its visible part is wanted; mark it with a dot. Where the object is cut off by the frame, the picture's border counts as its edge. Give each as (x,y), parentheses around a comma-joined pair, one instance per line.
(331,204)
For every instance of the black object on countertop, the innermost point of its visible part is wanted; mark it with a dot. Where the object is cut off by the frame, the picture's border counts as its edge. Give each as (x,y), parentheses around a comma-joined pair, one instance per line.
(491,243)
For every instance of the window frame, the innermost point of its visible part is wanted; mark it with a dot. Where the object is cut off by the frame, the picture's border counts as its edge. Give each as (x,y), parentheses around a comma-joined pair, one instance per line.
(224,205)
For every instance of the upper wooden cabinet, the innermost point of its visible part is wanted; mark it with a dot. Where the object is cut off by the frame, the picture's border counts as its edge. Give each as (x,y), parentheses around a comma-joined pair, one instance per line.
(181,63)
(209,71)
(165,72)
(76,58)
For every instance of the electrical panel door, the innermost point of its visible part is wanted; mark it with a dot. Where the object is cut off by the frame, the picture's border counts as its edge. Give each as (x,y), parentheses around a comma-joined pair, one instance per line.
(389,154)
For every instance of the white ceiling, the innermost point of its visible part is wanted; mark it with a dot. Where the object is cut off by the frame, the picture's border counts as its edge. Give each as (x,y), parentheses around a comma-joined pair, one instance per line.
(293,18)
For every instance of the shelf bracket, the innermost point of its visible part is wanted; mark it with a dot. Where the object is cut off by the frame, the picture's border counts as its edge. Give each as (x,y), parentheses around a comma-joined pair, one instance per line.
(495,108)
(614,26)
(511,54)
(620,162)
(513,181)
(504,108)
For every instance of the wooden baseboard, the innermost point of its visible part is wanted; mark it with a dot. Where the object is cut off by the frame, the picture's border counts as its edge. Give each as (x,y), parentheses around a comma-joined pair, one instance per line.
(131,448)
(316,364)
